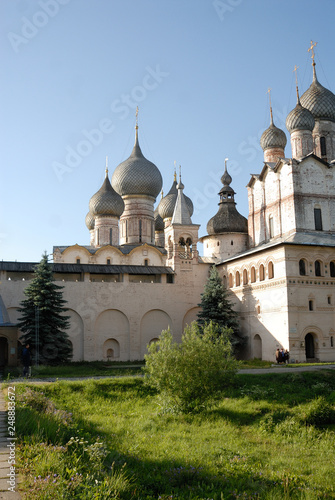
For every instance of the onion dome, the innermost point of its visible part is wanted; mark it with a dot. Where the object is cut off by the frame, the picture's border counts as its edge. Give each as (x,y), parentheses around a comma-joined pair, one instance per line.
(227,219)
(137,175)
(167,204)
(106,201)
(319,100)
(89,221)
(159,223)
(273,137)
(300,119)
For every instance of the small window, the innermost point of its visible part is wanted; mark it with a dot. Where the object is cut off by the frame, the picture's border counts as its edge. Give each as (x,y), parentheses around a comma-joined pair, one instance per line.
(329,299)
(323,146)
(270,271)
(258,309)
(169,278)
(317,266)
(245,277)
(253,275)
(78,261)
(230,280)
(237,279)
(331,341)
(311,305)
(302,267)
(261,273)
(140,230)
(108,262)
(318,219)
(232,243)
(218,243)
(271,232)
(146,262)
(111,236)
(332,269)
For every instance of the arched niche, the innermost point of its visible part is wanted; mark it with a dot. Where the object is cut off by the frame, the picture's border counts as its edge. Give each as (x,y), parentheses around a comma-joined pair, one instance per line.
(152,324)
(112,324)
(111,350)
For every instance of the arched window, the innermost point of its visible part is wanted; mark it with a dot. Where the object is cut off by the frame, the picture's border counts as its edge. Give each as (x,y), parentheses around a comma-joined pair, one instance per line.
(253,274)
(237,278)
(270,270)
(302,267)
(245,277)
(332,269)
(261,273)
(230,280)
(317,266)
(323,146)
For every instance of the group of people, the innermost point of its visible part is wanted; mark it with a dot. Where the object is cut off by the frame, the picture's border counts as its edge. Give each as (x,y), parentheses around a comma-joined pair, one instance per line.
(282,356)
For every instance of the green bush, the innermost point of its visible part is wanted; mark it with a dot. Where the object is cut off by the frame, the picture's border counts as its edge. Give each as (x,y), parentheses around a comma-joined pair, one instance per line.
(189,374)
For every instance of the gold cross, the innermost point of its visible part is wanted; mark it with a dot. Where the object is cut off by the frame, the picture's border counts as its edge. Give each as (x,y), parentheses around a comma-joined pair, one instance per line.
(313,44)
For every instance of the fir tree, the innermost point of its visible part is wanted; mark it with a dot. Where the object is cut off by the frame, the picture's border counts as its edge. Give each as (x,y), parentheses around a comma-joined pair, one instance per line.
(216,307)
(42,319)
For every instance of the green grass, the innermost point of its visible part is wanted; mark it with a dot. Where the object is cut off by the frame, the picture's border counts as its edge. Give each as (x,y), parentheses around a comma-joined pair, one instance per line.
(79,369)
(256,443)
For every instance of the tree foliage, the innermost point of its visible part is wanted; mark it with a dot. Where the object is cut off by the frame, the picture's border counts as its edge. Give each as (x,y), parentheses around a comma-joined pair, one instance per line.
(43,321)
(216,307)
(191,373)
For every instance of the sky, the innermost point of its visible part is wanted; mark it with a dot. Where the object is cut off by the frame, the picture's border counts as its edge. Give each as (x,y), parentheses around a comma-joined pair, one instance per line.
(73,72)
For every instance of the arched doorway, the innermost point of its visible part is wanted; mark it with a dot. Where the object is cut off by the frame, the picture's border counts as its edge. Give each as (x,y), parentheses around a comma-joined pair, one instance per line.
(309,346)
(257,347)
(3,351)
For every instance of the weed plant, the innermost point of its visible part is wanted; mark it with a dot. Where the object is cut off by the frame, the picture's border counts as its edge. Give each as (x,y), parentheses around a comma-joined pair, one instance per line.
(269,437)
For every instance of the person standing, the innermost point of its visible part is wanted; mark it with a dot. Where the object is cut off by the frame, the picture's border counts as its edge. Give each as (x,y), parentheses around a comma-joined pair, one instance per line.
(26,360)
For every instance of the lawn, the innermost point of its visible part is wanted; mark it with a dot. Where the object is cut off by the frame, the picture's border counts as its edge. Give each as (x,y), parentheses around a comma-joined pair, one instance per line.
(268,438)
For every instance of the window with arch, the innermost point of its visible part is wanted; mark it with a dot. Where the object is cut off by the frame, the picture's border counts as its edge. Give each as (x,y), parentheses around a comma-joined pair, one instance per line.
(317,267)
(253,274)
(302,267)
(270,270)
(245,277)
(237,278)
(230,280)
(261,273)
(146,262)
(323,146)
(332,269)
(317,219)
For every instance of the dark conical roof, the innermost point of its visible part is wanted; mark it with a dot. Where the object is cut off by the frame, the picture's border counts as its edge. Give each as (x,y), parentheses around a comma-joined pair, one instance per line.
(227,219)
(319,100)
(137,175)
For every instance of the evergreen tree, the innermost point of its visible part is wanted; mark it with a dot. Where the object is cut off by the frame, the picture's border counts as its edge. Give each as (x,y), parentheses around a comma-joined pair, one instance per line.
(216,307)
(42,319)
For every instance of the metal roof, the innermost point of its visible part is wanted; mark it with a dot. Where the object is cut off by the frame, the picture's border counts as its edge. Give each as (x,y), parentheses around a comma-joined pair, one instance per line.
(28,267)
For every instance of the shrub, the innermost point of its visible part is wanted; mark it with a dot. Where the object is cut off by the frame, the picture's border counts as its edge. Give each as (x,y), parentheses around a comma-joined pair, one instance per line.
(189,374)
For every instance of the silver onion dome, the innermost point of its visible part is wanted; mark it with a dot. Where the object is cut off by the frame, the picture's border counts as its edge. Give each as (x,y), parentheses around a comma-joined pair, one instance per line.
(167,204)
(273,137)
(319,100)
(137,175)
(300,118)
(106,201)
(89,221)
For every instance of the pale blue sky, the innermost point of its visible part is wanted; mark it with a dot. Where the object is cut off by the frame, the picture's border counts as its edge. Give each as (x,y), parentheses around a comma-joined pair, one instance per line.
(198,70)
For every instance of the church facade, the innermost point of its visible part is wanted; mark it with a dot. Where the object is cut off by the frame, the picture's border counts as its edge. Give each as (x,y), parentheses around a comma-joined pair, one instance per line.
(142,273)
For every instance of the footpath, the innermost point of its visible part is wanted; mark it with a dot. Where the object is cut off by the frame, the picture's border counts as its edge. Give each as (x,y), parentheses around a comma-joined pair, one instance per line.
(7,453)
